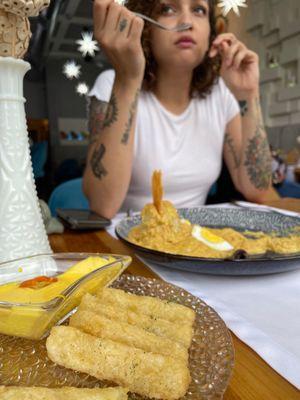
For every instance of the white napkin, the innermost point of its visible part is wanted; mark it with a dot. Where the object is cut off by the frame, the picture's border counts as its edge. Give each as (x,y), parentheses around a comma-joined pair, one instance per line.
(263,311)
(260,207)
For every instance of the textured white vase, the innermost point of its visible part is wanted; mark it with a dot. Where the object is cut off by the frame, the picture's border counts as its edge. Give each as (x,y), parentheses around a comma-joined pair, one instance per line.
(22,232)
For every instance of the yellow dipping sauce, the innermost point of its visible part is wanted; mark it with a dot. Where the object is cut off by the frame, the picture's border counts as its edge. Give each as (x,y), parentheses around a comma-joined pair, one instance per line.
(34,310)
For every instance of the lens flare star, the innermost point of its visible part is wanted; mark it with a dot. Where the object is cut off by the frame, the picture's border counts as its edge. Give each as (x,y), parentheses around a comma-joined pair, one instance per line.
(87,46)
(227,5)
(71,69)
(82,88)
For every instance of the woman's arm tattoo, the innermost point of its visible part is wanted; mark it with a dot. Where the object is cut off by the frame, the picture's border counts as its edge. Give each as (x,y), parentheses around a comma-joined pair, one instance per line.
(243,107)
(112,112)
(96,116)
(101,115)
(229,142)
(96,162)
(122,24)
(258,157)
(125,136)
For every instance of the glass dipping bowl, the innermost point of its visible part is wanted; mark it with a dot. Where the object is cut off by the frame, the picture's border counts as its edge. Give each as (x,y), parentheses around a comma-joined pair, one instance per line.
(31,312)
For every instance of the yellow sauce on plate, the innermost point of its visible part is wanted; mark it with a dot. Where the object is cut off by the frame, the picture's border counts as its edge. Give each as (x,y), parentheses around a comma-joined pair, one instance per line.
(165,231)
(31,314)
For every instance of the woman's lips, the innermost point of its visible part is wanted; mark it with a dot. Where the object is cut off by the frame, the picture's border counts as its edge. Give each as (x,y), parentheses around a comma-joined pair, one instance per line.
(185,42)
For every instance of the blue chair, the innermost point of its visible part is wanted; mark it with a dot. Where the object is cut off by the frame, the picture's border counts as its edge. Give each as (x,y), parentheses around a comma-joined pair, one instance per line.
(213,189)
(289,189)
(68,195)
(39,153)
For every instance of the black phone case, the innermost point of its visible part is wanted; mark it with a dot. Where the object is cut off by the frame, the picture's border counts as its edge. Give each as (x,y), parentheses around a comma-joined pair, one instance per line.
(71,222)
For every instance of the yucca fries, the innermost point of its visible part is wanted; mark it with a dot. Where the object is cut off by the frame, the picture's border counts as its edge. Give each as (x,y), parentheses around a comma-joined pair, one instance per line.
(180,333)
(148,305)
(103,327)
(148,374)
(65,393)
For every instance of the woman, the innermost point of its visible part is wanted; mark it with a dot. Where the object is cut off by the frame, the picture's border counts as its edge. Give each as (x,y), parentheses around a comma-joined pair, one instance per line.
(164,107)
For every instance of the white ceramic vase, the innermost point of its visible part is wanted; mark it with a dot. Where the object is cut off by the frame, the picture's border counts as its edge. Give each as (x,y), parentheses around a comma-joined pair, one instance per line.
(22,232)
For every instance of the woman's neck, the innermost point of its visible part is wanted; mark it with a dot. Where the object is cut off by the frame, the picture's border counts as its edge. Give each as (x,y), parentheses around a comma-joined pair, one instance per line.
(172,89)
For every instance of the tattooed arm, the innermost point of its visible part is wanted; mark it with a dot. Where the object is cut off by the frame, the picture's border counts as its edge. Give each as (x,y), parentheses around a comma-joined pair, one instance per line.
(246,151)
(109,161)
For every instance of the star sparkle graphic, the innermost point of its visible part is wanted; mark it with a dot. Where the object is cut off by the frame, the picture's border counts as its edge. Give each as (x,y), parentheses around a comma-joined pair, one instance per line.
(87,46)
(82,88)
(71,69)
(229,5)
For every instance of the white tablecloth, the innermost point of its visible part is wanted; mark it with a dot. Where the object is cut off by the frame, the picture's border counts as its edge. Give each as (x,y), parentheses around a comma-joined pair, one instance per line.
(263,311)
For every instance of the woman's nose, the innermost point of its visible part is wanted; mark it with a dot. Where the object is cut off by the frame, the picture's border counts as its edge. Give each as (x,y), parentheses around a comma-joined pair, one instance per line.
(186,17)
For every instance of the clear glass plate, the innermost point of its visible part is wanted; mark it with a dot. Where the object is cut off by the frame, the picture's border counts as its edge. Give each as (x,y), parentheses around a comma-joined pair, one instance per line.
(25,363)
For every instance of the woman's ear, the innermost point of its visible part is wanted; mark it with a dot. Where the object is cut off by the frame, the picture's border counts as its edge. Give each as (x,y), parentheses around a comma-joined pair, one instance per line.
(221,24)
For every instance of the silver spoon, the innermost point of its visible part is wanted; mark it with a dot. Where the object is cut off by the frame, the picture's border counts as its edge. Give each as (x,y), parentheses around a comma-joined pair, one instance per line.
(178,28)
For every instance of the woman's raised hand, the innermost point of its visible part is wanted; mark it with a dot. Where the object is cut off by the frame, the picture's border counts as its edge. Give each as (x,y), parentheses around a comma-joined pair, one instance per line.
(119,32)
(240,69)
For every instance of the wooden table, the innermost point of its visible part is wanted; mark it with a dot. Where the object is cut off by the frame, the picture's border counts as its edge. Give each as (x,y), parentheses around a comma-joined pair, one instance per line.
(252,378)
(286,203)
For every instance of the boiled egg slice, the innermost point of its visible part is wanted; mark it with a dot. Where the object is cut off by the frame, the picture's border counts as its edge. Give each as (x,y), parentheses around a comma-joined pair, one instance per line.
(210,239)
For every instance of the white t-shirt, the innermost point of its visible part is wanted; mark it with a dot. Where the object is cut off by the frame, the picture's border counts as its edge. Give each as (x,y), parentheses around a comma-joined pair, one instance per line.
(187,148)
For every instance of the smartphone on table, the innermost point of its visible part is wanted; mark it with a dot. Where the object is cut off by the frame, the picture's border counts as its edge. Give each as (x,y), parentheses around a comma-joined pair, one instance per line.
(78,219)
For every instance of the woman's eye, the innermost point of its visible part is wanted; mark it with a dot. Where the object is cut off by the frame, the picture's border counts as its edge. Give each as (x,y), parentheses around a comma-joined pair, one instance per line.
(201,10)
(167,10)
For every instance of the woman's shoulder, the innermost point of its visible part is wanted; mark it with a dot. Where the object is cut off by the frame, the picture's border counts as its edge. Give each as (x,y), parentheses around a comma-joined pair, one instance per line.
(220,93)
(223,101)
(106,76)
(103,85)
(219,88)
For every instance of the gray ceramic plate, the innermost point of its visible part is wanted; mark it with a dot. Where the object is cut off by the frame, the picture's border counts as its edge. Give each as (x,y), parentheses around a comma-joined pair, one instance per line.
(239,219)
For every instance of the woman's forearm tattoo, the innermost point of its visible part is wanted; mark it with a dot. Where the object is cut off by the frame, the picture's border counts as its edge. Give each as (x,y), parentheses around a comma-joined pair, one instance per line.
(101,115)
(243,107)
(96,162)
(125,136)
(258,157)
(96,115)
(229,142)
(112,112)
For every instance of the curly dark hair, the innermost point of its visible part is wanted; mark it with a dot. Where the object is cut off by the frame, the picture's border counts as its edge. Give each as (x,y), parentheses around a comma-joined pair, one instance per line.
(204,75)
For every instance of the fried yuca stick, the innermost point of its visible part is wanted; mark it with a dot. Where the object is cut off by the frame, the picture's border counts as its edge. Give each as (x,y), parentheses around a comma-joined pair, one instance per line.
(148,374)
(180,333)
(148,305)
(105,328)
(65,393)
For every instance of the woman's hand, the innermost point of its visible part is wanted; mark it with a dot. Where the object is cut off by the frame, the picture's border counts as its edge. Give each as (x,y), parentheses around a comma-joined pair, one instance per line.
(119,32)
(240,69)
